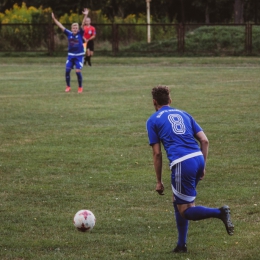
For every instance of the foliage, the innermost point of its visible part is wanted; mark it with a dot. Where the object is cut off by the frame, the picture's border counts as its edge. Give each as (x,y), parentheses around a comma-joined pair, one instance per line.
(131,34)
(24,37)
(24,14)
(256,38)
(213,40)
(216,39)
(96,17)
(219,11)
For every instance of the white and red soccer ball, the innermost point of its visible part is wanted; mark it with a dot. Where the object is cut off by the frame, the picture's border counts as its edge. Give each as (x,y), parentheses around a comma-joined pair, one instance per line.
(84,220)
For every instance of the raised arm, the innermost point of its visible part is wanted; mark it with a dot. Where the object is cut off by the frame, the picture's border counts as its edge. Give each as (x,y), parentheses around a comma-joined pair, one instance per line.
(85,12)
(57,22)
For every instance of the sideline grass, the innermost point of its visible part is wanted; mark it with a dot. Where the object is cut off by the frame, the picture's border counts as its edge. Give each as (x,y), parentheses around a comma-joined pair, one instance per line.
(62,152)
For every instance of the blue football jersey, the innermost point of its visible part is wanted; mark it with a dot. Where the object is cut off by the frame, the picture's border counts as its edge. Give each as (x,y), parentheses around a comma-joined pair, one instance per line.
(176,130)
(75,43)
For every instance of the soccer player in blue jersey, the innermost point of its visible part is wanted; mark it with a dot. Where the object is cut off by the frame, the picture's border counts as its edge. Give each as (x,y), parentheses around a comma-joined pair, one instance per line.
(75,49)
(180,134)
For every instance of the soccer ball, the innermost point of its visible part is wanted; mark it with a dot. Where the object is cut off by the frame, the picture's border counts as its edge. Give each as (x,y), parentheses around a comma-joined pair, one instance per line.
(84,220)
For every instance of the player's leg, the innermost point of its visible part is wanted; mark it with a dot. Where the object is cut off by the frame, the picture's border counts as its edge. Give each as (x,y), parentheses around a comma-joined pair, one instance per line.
(186,190)
(67,74)
(91,48)
(90,51)
(182,227)
(86,55)
(181,223)
(200,212)
(79,65)
(86,58)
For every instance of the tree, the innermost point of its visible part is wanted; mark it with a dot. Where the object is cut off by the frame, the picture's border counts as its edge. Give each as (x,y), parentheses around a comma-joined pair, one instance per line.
(164,11)
(207,6)
(239,11)
(122,8)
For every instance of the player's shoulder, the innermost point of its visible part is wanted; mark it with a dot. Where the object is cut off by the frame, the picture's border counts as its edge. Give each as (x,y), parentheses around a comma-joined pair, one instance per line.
(183,112)
(67,31)
(81,31)
(152,118)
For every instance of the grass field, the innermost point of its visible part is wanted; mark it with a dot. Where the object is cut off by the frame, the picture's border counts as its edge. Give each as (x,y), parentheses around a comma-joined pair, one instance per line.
(62,152)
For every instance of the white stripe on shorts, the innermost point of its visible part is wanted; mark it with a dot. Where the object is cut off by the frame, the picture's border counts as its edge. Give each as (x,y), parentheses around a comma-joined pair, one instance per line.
(183,158)
(76,54)
(183,196)
(178,177)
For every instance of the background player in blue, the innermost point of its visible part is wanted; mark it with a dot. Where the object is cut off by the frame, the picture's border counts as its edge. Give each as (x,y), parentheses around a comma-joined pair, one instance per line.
(75,49)
(179,133)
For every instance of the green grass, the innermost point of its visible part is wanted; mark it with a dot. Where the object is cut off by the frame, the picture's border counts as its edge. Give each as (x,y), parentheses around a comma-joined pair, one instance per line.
(62,152)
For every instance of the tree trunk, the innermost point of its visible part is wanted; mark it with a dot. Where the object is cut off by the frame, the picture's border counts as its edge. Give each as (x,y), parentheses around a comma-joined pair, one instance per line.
(239,11)
(207,14)
(182,12)
(256,14)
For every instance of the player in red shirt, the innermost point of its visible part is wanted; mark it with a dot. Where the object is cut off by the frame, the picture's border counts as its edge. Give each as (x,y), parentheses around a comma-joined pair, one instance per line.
(89,36)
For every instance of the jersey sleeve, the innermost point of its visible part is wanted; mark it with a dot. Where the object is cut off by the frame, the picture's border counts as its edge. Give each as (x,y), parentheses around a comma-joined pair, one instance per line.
(81,32)
(67,32)
(195,126)
(152,133)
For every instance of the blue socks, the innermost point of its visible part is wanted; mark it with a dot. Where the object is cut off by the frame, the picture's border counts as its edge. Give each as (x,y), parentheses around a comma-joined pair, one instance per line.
(67,76)
(192,213)
(182,226)
(200,212)
(79,75)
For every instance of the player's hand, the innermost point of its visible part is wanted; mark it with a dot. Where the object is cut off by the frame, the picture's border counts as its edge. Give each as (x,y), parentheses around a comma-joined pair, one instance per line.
(85,12)
(160,188)
(203,175)
(52,15)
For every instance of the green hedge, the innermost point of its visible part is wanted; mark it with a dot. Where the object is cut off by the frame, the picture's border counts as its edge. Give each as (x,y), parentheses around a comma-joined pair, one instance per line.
(212,40)
(216,39)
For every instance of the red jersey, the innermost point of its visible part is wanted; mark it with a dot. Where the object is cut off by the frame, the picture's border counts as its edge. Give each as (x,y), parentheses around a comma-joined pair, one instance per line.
(89,31)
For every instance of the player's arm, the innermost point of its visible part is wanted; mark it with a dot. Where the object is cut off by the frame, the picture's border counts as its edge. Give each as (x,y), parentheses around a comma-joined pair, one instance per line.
(92,38)
(204,146)
(157,162)
(85,12)
(57,22)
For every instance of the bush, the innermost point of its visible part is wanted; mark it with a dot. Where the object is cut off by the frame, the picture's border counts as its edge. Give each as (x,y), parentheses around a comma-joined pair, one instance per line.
(24,37)
(256,38)
(216,40)
(202,40)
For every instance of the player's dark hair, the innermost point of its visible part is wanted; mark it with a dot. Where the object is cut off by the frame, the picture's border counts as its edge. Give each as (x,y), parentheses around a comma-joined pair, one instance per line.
(161,94)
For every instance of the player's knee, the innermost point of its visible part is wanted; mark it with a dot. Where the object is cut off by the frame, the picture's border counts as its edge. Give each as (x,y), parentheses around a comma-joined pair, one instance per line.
(183,209)
(68,71)
(178,208)
(184,214)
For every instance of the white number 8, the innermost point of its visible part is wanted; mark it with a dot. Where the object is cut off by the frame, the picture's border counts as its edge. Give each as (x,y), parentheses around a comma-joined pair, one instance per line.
(178,125)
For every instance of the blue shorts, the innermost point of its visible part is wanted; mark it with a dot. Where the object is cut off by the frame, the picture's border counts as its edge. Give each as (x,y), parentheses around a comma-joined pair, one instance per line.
(74,61)
(185,177)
